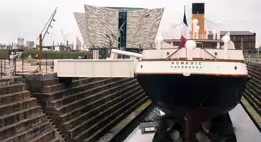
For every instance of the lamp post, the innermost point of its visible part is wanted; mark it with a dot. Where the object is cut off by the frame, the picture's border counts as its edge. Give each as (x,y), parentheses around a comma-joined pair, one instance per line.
(110,41)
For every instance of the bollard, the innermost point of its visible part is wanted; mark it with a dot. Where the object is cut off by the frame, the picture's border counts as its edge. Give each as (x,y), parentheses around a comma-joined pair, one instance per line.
(46,61)
(53,60)
(4,66)
(1,69)
(22,64)
(15,67)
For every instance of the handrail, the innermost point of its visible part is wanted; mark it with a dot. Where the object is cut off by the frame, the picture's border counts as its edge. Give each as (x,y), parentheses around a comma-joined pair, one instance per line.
(210,53)
(173,53)
(127,53)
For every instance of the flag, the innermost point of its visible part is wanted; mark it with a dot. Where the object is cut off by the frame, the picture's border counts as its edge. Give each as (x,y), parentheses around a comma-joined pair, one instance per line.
(184,35)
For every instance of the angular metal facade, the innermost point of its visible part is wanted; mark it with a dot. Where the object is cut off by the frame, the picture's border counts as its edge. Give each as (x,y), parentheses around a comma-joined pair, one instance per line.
(142,27)
(100,22)
(81,22)
(97,22)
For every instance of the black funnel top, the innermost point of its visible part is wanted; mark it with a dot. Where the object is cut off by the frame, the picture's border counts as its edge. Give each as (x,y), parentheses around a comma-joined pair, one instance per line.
(198,8)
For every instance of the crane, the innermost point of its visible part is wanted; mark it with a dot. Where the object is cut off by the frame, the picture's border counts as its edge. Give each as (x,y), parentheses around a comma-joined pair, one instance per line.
(65,39)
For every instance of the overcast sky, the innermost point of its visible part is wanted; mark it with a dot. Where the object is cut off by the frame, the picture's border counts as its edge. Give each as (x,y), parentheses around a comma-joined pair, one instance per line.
(26,18)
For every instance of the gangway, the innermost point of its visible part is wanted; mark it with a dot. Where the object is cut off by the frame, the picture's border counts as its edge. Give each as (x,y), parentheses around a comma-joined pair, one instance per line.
(110,67)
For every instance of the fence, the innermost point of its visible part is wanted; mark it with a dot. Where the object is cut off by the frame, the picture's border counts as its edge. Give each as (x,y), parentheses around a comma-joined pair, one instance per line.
(7,68)
(52,54)
(4,54)
(22,64)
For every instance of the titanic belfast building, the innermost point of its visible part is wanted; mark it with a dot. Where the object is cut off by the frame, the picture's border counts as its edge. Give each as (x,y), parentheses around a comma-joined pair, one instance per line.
(125,27)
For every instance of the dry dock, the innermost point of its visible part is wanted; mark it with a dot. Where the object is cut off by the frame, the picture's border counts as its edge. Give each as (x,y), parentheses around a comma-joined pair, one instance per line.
(39,108)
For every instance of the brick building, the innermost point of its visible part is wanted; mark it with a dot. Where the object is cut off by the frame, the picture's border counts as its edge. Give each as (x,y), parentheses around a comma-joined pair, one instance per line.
(241,39)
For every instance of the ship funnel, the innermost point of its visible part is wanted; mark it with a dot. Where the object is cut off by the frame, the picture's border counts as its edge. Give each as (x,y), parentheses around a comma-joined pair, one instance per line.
(198,18)
(197,32)
(194,29)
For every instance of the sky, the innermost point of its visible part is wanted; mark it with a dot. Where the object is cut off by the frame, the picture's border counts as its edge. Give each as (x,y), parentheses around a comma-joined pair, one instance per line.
(26,18)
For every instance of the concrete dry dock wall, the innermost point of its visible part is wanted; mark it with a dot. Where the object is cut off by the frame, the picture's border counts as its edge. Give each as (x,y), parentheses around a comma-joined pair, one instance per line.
(21,118)
(90,107)
(252,93)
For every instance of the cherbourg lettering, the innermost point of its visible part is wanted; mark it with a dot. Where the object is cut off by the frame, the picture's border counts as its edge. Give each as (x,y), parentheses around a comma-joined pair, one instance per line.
(186,64)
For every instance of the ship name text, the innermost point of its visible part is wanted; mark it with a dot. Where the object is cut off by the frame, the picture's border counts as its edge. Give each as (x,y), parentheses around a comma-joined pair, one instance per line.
(186,64)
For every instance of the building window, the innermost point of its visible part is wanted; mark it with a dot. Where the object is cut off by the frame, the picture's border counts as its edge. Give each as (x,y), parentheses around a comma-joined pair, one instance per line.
(122,29)
(249,45)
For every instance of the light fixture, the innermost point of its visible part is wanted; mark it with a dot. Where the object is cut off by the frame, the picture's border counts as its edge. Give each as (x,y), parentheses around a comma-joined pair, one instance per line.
(147,15)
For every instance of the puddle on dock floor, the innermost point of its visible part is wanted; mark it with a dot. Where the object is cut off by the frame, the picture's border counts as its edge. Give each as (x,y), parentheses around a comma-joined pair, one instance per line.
(252,111)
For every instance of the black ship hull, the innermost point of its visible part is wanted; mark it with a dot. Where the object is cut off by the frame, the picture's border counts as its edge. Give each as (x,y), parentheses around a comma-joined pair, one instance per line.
(202,97)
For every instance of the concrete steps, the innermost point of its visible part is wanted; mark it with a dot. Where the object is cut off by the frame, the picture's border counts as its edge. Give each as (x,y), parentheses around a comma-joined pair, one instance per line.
(44,137)
(12,88)
(6,80)
(14,97)
(94,88)
(29,134)
(90,105)
(21,118)
(252,92)
(93,108)
(60,86)
(78,116)
(19,115)
(111,115)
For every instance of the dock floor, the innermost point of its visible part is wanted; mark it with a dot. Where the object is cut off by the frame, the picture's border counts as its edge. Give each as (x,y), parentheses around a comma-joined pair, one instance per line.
(245,129)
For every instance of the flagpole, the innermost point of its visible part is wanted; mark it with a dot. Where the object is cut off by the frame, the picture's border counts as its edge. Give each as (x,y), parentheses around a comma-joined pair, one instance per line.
(183,23)
(187,25)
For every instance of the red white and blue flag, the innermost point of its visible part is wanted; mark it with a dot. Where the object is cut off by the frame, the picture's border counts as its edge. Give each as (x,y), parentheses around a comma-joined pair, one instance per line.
(184,35)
